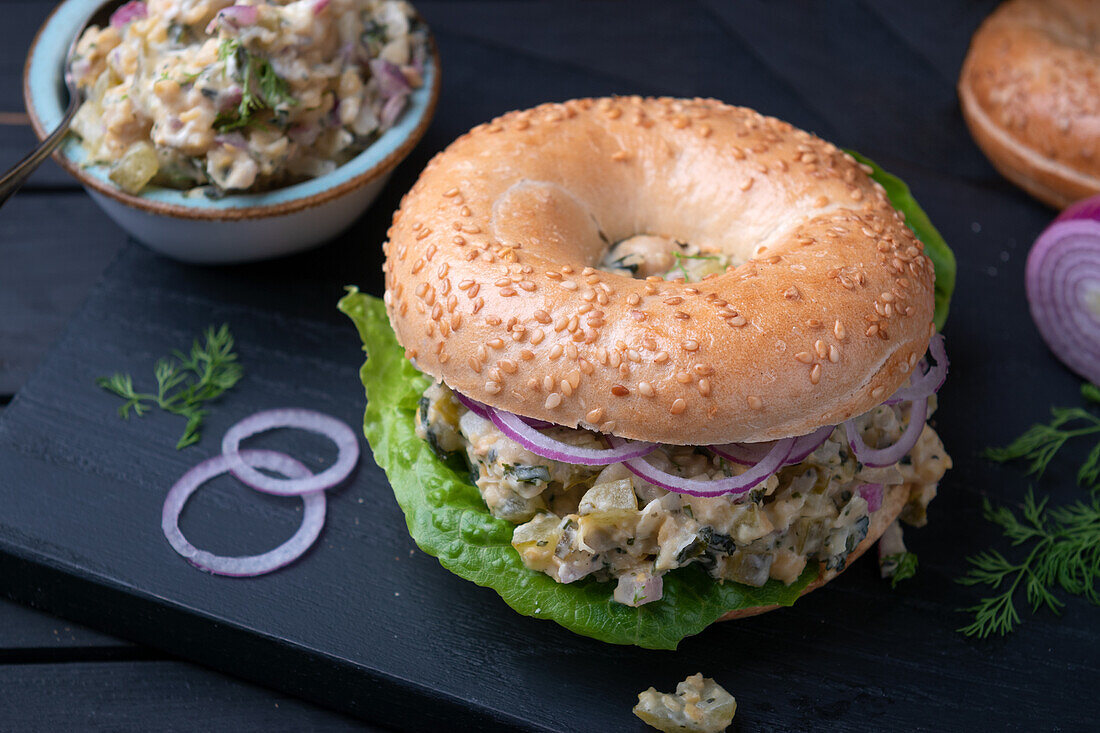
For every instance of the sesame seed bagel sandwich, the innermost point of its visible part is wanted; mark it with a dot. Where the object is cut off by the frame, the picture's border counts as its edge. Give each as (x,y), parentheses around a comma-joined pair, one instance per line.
(644,364)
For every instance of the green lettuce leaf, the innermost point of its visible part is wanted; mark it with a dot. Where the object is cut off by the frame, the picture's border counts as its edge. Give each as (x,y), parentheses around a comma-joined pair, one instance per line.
(937,250)
(448,519)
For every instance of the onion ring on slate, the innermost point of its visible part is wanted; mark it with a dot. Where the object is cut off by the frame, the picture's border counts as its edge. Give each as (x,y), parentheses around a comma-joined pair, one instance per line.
(315,422)
(313,518)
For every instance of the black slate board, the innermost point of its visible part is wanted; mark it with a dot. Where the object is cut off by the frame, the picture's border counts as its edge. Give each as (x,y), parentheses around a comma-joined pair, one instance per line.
(365,622)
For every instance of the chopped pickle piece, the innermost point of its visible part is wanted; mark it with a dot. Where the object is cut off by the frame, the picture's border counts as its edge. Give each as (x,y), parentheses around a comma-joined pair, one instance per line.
(135,168)
(614,495)
(700,705)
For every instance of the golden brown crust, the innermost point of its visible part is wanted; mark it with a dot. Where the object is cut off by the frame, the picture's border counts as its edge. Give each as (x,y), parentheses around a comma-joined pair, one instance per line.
(893,501)
(1030,93)
(490,282)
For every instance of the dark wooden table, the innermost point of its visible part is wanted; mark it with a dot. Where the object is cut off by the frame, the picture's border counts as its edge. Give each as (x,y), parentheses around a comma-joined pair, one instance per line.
(791,61)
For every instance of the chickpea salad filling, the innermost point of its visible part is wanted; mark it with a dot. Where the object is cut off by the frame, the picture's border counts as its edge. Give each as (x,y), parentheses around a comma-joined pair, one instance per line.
(216,96)
(575,521)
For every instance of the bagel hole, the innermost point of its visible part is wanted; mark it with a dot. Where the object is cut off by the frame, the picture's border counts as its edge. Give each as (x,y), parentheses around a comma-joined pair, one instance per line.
(648,255)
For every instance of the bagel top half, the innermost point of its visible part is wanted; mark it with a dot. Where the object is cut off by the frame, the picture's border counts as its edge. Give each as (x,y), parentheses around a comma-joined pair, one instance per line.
(492,286)
(1030,93)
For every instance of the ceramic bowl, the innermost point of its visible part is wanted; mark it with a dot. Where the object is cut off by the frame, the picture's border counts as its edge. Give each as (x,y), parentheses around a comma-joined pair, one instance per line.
(236,227)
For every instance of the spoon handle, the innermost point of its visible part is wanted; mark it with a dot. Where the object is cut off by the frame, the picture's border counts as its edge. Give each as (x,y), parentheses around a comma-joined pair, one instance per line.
(14,178)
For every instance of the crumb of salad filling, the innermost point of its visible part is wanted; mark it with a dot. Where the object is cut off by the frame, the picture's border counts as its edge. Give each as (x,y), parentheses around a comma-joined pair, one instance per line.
(700,705)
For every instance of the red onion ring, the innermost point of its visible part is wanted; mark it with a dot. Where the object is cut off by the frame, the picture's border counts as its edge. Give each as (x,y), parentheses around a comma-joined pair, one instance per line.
(872,494)
(1063,287)
(543,445)
(927,384)
(313,517)
(347,445)
(748,454)
(696,487)
(482,410)
(881,457)
(479,409)
(806,444)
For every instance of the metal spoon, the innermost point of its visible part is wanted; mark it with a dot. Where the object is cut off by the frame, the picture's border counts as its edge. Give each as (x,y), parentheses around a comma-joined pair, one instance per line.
(14,178)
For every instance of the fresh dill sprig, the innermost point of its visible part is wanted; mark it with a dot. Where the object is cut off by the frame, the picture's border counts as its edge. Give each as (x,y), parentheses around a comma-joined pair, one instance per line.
(1066,553)
(1041,442)
(185,382)
(680,257)
(261,87)
(905,566)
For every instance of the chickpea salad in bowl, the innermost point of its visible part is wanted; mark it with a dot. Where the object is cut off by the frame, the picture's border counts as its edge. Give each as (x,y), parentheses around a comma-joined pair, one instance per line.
(219,97)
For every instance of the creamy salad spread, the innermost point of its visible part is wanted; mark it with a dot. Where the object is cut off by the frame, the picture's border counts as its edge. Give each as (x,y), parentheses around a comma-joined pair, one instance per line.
(578,521)
(247,96)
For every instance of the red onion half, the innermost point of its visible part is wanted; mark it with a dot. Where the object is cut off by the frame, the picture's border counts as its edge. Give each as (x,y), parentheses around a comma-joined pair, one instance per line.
(346,442)
(1063,287)
(543,445)
(771,463)
(881,457)
(313,519)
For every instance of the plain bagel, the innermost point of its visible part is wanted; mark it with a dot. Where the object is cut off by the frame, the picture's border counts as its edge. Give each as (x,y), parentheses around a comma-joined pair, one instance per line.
(491,282)
(1030,93)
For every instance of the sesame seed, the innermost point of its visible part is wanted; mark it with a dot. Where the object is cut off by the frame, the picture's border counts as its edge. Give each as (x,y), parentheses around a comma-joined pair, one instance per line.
(678,406)
(820,348)
(555,351)
(566,388)
(594,415)
(537,336)
(474,364)
(746,184)
(619,390)
(834,353)
(755,403)
(683,377)
(661,357)
(815,374)
(838,330)
(495,343)
(569,285)
(507,365)
(646,389)
(492,387)
(451,193)
(704,387)
(804,356)
(690,345)
(507,292)
(877,392)
(552,400)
